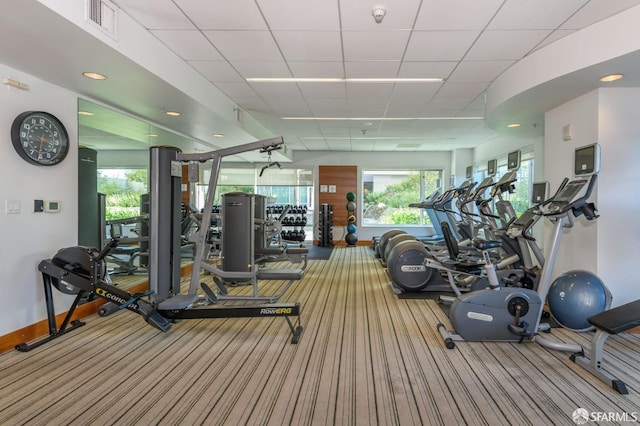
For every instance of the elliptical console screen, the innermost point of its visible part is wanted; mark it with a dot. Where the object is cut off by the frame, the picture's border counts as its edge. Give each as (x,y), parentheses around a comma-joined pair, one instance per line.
(587,160)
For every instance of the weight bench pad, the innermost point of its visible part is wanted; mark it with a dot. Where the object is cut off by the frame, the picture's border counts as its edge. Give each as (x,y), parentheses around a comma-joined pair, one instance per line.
(618,319)
(280,274)
(270,251)
(297,250)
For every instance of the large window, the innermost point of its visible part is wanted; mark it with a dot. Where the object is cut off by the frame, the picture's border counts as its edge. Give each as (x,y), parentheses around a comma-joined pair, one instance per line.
(280,186)
(388,193)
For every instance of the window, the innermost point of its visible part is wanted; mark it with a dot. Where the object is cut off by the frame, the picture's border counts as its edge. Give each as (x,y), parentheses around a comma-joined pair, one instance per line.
(122,188)
(388,193)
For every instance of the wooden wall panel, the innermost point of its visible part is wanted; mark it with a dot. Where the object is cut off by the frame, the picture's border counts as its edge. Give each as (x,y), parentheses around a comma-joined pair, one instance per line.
(345,179)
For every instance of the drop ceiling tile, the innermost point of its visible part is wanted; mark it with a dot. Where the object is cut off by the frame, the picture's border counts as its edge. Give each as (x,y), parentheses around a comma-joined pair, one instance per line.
(262,68)
(439,45)
(554,36)
(415,91)
(371,69)
(188,44)
(323,90)
(300,14)
(245,45)
(462,90)
(155,14)
(316,69)
(223,15)
(379,92)
(470,71)
(374,45)
(357,14)
(595,11)
(289,107)
(445,14)
(505,45)
(236,89)
(216,71)
(309,45)
(534,15)
(276,90)
(422,69)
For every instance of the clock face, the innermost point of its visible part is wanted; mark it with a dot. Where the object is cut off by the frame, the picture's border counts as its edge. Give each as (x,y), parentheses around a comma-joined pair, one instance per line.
(39,138)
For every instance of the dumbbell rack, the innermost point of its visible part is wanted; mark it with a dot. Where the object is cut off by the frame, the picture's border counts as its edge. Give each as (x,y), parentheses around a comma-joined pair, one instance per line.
(293,223)
(325,226)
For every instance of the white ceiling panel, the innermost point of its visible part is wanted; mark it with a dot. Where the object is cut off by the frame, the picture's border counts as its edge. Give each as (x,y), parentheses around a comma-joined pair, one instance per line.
(441,69)
(554,36)
(439,45)
(323,90)
(456,15)
(316,69)
(300,14)
(462,90)
(309,45)
(371,69)
(470,71)
(412,91)
(189,44)
(596,10)
(289,107)
(534,15)
(223,15)
(216,71)
(276,90)
(505,45)
(156,14)
(245,45)
(262,68)
(369,91)
(236,90)
(374,45)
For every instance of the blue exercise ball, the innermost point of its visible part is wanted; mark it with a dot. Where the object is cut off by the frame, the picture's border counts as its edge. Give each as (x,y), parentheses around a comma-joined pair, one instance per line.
(351,228)
(575,296)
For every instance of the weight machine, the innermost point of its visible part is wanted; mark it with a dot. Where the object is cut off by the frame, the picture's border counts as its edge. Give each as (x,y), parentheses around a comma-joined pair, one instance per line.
(82,270)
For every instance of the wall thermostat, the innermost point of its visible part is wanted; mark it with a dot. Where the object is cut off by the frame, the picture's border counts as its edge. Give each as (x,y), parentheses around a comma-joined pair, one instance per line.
(51,206)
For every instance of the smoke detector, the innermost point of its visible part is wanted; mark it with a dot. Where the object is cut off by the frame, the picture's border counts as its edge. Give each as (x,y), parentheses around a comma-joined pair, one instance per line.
(378,13)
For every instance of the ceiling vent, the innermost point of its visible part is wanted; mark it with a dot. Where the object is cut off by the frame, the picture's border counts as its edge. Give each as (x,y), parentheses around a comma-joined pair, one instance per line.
(103,15)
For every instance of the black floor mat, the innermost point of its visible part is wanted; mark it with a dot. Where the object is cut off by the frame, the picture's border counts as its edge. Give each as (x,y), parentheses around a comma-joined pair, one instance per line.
(319,253)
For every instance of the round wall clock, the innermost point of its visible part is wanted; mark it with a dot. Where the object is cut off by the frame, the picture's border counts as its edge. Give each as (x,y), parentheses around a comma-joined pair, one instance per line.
(39,138)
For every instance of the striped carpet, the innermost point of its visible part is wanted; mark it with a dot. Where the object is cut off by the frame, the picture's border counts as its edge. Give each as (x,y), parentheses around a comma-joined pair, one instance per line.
(365,357)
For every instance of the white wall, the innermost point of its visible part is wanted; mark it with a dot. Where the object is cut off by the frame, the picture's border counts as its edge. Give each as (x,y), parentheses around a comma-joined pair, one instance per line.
(618,202)
(609,245)
(29,237)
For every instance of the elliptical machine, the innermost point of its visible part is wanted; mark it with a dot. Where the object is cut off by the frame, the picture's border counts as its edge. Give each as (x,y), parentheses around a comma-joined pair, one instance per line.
(510,314)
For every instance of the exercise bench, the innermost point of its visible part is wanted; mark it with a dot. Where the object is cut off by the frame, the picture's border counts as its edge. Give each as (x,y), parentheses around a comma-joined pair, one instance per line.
(613,321)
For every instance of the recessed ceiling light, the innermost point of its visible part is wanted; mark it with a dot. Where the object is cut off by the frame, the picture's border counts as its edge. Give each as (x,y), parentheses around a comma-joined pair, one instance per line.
(152,135)
(87,113)
(512,125)
(94,75)
(173,113)
(380,118)
(611,77)
(342,80)
(218,135)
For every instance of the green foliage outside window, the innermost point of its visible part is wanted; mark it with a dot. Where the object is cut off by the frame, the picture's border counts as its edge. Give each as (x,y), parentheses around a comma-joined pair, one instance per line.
(123,190)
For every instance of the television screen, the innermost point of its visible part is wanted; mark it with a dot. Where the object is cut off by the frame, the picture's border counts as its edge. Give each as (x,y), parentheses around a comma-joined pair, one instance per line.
(587,160)
(492,167)
(513,160)
(540,192)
